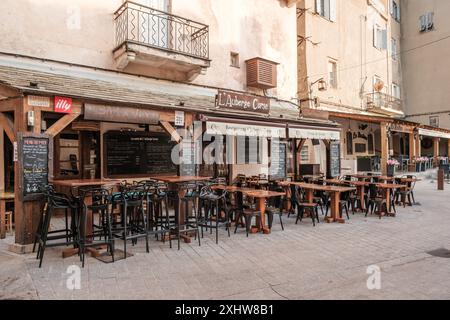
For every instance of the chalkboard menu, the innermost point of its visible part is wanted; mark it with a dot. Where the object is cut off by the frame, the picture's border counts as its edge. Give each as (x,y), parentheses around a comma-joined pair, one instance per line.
(278,160)
(33,155)
(335,158)
(188,165)
(138,154)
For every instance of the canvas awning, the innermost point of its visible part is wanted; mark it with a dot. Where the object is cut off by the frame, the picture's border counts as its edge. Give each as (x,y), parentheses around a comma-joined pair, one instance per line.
(241,129)
(316,133)
(433,133)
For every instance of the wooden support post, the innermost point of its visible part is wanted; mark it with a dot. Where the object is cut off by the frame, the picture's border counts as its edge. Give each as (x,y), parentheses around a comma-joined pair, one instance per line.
(2,161)
(436,151)
(448,147)
(412,152)
(384,148)
(418,146)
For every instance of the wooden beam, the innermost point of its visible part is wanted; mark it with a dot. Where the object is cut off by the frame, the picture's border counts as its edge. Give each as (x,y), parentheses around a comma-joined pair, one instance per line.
(384,148)
(8,126)
(171,130)
(9,105)
(61,124)
(6,91)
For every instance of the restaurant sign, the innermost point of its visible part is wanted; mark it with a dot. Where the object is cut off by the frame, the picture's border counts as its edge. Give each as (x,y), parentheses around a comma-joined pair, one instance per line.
(242,102)
(235,129)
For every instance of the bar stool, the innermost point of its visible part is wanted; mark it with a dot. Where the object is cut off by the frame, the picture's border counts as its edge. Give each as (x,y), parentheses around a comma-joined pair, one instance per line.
(70,234)
(190,223)
(101,202)
(216,204)
(158,212)
(133,224)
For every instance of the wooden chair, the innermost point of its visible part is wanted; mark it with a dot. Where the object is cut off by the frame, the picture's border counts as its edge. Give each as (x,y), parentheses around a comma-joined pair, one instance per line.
(9,221)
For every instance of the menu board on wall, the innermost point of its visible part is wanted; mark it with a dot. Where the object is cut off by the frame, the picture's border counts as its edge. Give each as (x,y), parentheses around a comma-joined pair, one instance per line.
(138,153)
(335,159)
(34,154)
(278,160)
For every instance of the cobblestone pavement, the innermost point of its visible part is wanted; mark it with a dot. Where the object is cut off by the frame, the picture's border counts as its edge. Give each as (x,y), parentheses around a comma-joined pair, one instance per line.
(326,262)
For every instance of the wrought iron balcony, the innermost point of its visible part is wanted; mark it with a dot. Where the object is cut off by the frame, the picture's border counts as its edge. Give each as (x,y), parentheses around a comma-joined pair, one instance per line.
(142,30)
(383,103)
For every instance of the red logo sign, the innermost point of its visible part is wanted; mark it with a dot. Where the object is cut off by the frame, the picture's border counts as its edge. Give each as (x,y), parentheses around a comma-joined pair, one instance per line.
(63,105)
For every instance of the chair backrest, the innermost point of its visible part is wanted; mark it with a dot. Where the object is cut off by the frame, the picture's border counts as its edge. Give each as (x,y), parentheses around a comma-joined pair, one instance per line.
(373,190)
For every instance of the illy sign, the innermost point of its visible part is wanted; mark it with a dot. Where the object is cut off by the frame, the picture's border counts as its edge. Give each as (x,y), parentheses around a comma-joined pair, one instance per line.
(63,105)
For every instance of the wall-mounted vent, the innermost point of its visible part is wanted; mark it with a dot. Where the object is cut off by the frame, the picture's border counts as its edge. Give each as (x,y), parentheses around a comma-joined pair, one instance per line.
(261,73)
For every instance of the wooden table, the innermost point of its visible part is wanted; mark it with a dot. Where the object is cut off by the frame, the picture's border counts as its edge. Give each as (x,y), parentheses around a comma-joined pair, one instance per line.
(335,192)
(174,183)
(360,189)
(5,197)
(261,196)
(78,183)
(387,187)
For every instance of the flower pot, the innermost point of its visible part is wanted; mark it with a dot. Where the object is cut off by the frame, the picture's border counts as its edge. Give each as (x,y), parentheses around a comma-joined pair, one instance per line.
(391,170)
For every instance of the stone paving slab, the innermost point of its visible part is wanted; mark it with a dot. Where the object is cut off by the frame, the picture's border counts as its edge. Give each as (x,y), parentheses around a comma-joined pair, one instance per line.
(326,262)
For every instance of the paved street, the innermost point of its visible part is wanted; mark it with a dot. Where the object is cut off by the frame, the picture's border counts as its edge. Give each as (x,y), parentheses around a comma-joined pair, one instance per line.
(326,262)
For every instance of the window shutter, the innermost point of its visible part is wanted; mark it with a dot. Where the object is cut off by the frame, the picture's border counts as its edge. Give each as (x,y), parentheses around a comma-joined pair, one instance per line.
(384,39)
(430,20)
(333,10)
(423,23)
(375,31)
(319,6)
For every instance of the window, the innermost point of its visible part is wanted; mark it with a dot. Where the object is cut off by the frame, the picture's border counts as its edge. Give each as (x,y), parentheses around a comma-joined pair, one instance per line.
(327,9)
(434,121)
(426,22)
(394,50)
(395,10)
(234,59)
(379,37)
(332,74)
(304,154)
(395,91)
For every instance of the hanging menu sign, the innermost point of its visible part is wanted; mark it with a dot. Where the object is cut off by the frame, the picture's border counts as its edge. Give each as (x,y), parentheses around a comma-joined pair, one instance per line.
(34,154)
(335,159)
(242,102)
(188,167)
(278,160)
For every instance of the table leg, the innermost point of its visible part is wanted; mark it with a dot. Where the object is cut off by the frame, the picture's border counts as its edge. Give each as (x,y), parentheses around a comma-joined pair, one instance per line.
(334,206)
(361,196)
(2,219)
(261,206)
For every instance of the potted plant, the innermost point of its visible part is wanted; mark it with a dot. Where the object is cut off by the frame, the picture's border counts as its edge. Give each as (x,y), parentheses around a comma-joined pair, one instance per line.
(392,164)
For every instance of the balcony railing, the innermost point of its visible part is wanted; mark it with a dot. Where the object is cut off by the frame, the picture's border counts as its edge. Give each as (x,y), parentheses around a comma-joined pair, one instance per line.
(382,100)
(146,26)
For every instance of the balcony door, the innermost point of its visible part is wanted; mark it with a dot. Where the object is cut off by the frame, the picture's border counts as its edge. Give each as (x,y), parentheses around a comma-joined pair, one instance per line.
(154,25)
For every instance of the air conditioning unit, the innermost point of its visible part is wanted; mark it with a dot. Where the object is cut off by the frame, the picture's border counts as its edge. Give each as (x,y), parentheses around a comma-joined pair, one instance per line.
(261,73)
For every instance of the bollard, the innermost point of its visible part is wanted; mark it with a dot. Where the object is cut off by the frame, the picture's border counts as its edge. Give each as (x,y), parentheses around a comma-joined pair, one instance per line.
(440,179)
